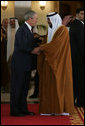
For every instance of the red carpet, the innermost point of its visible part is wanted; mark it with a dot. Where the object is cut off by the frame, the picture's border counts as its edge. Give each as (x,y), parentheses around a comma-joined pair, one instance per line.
(6,119)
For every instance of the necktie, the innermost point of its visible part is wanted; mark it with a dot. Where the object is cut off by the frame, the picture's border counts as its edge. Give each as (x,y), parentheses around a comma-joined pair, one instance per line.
(32,29)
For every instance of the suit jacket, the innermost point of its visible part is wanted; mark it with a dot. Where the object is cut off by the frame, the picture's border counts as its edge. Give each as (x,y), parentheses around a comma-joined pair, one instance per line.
(77,41)
(24,44)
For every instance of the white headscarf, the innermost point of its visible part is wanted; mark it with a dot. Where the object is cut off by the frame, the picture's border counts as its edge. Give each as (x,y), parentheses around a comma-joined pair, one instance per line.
(11,37)
(56,23)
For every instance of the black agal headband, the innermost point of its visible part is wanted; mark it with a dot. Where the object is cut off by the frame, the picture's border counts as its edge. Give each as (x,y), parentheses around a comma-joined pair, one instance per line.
(52,14)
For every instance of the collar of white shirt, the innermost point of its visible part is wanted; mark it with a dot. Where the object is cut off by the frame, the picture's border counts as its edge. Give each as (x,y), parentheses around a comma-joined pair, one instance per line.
(28,25)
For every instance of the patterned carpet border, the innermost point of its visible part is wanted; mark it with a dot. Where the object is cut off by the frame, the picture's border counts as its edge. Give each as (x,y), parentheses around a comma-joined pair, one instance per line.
(78,117)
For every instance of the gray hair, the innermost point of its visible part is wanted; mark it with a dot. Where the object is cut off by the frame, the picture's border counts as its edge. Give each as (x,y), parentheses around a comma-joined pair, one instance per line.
(29,14)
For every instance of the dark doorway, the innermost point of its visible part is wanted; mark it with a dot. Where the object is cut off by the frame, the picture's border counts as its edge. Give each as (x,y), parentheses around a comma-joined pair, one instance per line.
(64,10)
(69,7)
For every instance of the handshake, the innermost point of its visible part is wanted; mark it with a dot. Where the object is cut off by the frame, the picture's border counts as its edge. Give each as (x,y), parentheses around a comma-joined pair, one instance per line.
(36,51)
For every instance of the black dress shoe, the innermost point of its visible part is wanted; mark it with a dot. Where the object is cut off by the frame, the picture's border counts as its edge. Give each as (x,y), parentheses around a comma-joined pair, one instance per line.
(53,114)
(29,113)
(17,114)
(33,96)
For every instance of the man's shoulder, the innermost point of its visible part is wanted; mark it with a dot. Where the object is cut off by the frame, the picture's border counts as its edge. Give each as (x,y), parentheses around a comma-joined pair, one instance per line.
(76,22)
(62,27)
(22,28)
(61,30)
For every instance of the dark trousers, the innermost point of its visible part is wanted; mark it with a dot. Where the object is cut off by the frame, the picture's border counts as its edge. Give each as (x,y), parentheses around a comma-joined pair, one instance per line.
(19,90)
(36,80)
(78,84)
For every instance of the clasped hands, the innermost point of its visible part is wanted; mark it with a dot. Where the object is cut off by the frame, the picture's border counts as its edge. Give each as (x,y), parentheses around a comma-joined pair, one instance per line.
(36,51)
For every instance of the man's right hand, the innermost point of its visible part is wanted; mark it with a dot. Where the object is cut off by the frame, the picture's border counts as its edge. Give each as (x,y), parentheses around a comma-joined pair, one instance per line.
(67,19)
(36,51)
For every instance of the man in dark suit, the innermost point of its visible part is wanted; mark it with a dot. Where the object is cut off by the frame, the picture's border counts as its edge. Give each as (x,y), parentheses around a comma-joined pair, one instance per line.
(21,65)
(77,50)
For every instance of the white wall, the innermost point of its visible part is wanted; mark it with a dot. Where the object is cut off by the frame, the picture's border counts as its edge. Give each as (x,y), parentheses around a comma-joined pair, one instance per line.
(21,7)
(22,3)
